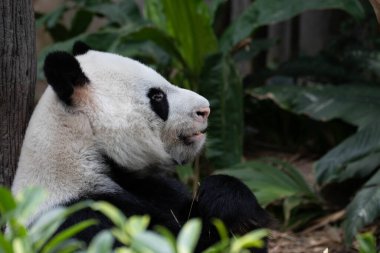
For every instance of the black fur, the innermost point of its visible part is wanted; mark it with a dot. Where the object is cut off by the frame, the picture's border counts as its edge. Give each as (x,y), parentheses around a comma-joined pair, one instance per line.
(63,73)
(80,48)
(159,103)
(169,203)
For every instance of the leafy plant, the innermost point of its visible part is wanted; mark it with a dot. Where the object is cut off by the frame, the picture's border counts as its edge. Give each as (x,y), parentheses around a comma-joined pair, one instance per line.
(355,157)
(367,243)
(273,180)
(132,232)
(177,37)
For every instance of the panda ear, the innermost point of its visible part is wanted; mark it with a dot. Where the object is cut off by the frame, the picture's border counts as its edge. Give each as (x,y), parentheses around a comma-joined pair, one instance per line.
(80,48)
(64,74)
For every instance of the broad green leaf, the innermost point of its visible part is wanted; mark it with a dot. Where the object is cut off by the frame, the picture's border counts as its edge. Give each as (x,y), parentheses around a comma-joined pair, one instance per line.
(28,201)
(112,213)
(289,204)
(214,6)
(188,22)
(221,228)
(122,12)
(66,234)
(136,224)
(149,33)
(253,49)
(149,242)
(188,236)
(80,22)
(355,104)
(51,19)
(334,164)
(154,11)
(264,12)
(366,243)
(21,245)
(5,245)
(42,230)
(70,246)
(364,208)
(270,183)
(101,243)
(325,102)
(167,234)
(7,202)
(221,85)
(252,239)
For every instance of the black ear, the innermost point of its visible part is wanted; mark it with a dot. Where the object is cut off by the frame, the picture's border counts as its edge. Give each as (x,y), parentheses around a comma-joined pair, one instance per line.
(80,48)
(64,73)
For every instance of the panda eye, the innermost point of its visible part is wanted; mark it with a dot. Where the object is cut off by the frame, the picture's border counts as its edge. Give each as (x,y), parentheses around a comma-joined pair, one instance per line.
(156,95)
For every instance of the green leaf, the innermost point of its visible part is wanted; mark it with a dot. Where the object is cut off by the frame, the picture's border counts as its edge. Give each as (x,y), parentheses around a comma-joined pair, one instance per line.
(80,22)
(21,245)
(112,213)
(264,12)
(52,18)
(43,229)
(66,234)
(136,224)
(154,11)
(289,204)
(367,243)
(364,208)
(252,239)
(121,12)
(214,6)
(149,241)
(159,38)
(358,148)
(5,245)
(101,243)
(270,183)
(7,202)
(188,236)
(356,104)
(28,202)
(221,85)
(221,228)
(188,22)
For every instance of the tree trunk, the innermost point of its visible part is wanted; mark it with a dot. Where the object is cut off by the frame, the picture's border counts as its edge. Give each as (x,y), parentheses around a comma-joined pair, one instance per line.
(17,80)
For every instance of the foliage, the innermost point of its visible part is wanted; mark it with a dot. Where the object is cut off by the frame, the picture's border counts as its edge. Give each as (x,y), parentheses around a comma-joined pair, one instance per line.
(367,243)
(185,50)
(273,180)
(177,39)
(132,232)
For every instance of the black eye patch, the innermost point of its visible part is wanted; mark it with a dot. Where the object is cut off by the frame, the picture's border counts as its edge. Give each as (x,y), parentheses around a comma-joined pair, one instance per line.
(159,102)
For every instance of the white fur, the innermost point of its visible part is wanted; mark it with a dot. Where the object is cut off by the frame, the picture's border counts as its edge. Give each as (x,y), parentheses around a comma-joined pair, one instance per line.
(112,115)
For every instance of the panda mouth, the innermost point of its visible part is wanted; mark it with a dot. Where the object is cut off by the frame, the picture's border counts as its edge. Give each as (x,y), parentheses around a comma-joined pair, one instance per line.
(194,137)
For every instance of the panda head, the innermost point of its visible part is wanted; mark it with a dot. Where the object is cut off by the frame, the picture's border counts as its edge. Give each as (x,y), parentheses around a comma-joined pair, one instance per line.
(136,116)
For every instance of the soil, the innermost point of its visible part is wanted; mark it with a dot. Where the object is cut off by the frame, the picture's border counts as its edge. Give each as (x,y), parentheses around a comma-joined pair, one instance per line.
(322,236)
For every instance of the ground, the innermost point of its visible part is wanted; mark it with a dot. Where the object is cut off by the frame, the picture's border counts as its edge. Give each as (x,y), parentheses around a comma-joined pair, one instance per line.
(321,234)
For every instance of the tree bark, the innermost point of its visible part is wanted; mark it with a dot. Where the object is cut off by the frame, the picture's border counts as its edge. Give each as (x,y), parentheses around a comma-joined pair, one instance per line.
(17,80)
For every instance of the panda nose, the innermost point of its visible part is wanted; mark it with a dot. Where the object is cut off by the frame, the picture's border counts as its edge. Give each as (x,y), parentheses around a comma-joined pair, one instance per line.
(202,114)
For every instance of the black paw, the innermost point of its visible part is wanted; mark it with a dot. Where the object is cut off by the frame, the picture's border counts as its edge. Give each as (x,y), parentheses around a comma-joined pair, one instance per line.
(227,198)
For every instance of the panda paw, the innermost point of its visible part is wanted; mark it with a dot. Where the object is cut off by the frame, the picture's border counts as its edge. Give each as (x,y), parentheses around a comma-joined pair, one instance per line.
(228,199)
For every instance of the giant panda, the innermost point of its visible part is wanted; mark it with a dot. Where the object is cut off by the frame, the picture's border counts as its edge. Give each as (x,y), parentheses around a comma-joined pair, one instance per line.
(110,128)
